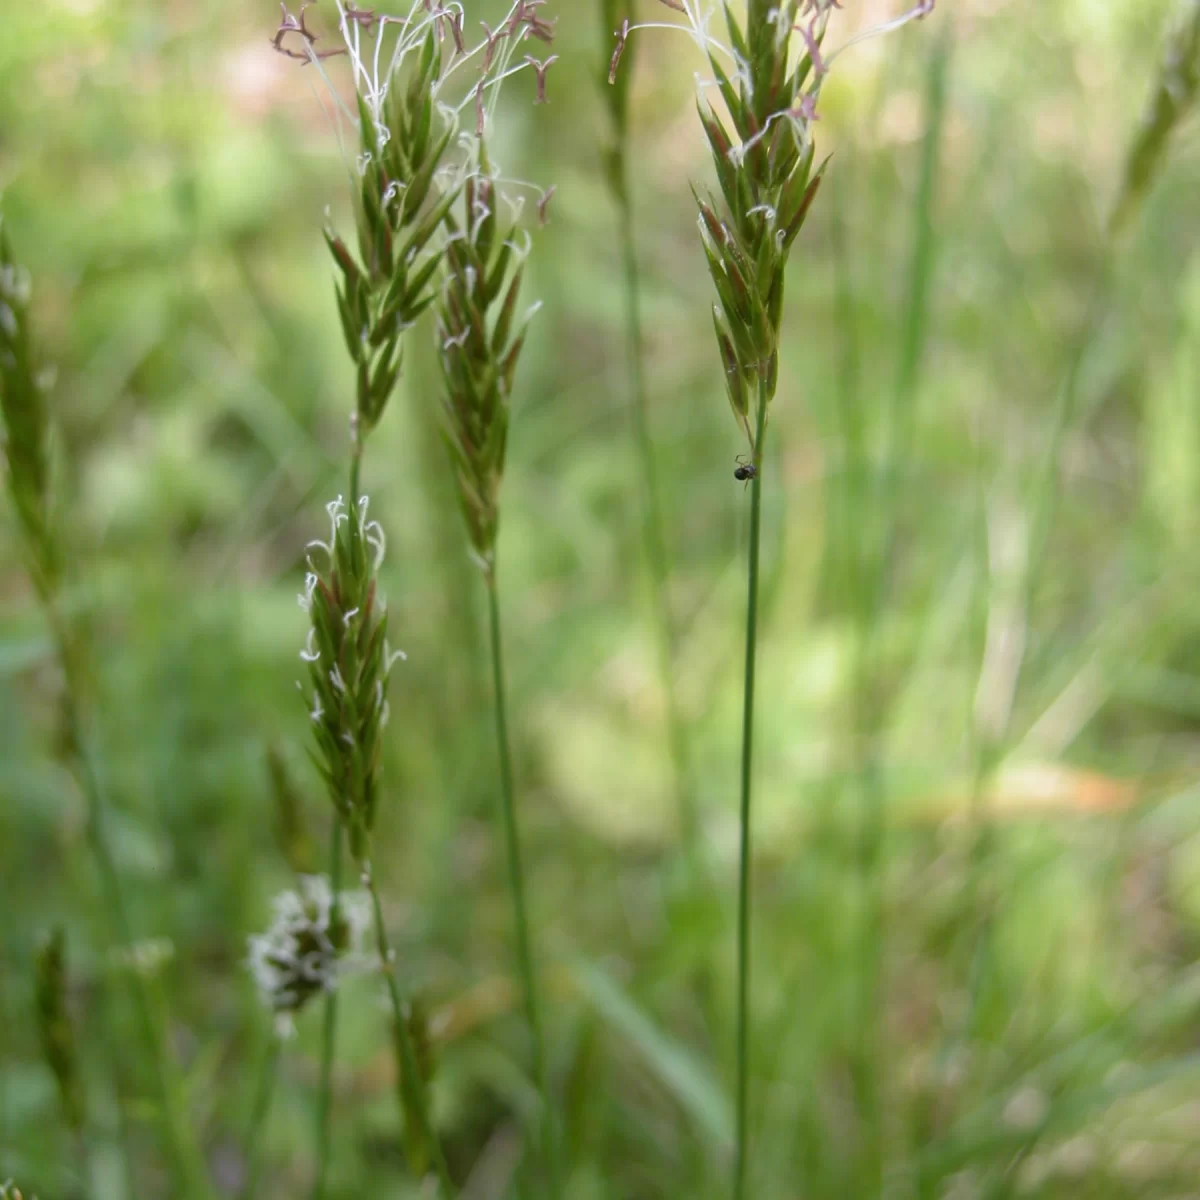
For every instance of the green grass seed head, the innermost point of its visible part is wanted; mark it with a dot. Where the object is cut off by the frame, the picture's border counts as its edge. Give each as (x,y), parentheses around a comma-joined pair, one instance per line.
(768,74)
(414,77)
(481,324)
(349,660)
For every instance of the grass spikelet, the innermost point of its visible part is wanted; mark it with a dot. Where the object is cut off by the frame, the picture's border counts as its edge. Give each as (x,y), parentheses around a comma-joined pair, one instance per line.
(480,335)
(349,662)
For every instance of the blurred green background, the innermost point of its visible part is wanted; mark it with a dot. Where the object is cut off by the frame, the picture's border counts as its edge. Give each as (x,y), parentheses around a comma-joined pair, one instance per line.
(978,893)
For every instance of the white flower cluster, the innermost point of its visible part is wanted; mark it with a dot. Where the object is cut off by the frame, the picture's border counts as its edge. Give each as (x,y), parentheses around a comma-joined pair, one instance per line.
(306,951)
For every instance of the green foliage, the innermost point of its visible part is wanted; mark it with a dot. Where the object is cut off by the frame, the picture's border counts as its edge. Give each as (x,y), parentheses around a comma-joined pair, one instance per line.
(165,175)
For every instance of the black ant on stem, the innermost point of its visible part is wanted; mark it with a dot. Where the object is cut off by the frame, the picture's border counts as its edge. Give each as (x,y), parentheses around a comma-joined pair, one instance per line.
(744,471)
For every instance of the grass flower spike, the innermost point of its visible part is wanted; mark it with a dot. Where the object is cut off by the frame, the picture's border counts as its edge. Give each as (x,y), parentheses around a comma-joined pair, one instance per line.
(407,108)
(402,136)
(414,77)
(480,337)
(349,660)
(769,77)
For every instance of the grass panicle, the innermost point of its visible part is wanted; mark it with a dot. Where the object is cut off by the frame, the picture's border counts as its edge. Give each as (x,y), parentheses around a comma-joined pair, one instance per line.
(769,78)
(481,331)
(349,661)
(480,335)
(380,294)
(398,211)
(405,177)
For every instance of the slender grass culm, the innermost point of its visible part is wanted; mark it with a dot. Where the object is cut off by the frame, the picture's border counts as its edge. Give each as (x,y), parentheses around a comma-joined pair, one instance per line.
(382,293)
(349,660)
(397,210)
(769,77)
(24,389)
(616,15)
(406,72)
(480,336)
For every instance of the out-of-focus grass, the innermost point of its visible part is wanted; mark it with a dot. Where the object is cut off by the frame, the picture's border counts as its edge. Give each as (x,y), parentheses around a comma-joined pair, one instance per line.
(166,175)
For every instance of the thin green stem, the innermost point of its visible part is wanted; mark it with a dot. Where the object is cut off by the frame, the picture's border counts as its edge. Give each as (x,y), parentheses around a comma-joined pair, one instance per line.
(258,1116)
(328,1029)
(516,887)
(652,521)
(329,1023)
(410,1089)
(743,926)
(185,1159)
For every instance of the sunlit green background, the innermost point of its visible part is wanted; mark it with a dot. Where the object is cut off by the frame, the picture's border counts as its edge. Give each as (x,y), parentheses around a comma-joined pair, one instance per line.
(165,178)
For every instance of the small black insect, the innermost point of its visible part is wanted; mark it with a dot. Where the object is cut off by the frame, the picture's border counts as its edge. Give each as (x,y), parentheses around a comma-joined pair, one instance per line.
(744,471)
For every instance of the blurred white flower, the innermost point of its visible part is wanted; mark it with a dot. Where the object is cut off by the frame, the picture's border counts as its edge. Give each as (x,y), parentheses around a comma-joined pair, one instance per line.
(306,950)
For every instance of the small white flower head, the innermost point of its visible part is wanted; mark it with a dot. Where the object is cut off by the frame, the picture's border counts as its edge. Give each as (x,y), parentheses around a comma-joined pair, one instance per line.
(307,949)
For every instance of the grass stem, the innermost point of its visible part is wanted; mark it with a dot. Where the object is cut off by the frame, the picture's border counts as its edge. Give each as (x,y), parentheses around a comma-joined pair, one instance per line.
(516,887)
(328,1030)
(258,1116)
(410,1088)
(743,920)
